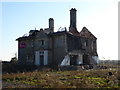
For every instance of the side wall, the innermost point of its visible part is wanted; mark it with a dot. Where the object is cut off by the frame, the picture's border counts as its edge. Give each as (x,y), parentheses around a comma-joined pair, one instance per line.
(82,46)
(25,52)
(59,50)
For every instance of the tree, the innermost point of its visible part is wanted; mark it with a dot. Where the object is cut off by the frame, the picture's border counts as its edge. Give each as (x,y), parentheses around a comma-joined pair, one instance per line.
(14,59)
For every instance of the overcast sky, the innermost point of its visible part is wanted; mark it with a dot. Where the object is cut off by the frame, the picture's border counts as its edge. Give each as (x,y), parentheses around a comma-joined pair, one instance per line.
(99,16)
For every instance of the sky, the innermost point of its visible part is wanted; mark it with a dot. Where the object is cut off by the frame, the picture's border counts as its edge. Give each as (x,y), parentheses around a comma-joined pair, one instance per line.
(99,16)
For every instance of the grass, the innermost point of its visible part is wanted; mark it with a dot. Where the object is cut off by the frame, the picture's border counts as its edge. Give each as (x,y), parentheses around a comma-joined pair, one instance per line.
(63,79)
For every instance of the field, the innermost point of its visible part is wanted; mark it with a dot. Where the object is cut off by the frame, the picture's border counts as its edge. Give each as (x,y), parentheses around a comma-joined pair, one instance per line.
(47,78)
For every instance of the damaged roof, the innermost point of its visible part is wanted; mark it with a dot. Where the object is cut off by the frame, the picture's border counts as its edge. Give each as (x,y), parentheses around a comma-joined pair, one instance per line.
(86,33)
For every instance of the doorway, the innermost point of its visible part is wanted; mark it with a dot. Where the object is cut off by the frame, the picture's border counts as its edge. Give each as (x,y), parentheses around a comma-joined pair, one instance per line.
(86,59)
(41,60)
(73,60)
(41,57)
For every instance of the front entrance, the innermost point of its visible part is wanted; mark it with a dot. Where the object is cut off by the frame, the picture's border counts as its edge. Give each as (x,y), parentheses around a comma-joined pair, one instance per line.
(86,59)
(41,60)
(41,57)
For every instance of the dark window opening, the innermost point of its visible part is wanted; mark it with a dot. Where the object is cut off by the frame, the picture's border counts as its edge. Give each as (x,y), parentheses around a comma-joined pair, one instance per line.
(73,60)
(42,42)
(41,60)
(86,59)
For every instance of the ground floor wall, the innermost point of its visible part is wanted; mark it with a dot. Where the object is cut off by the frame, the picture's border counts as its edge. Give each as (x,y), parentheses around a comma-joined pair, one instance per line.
(41,57)
(56,58)
(26,56)
(78,59)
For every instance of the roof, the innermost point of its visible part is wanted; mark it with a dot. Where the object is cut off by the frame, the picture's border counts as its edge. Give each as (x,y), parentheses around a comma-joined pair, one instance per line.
(86,33)
(32,34)
(25,38)
(59,33)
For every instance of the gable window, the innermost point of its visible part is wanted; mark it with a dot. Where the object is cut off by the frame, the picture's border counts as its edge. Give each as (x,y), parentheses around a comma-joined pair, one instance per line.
(86,43)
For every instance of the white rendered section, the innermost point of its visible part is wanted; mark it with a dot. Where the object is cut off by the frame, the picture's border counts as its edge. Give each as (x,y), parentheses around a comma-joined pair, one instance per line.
(79,59)
(37,58)
(66,61)
(96,59)
(45,57)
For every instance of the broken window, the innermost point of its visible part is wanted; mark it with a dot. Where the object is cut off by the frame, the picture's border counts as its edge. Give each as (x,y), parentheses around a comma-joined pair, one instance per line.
(86,43)
(86,59)
(73,60)
(29,58)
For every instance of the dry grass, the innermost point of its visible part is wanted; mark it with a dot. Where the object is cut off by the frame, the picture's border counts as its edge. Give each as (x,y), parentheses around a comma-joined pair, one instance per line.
(63,79)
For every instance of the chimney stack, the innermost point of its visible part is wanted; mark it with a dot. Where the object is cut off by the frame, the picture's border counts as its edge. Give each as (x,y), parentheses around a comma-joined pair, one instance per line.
(72,27)
(51,24)
(73,17)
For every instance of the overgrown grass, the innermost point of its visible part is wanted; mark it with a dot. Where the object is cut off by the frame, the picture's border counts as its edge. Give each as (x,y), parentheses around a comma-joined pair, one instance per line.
(63,79)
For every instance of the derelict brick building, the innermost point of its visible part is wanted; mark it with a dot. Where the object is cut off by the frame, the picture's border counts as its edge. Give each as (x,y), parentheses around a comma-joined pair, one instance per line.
(46,47)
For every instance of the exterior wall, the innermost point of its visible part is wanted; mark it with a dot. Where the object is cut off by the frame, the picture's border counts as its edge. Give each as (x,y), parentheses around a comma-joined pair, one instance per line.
(73,43)
(26,52)
(30,51)
(39,60)
(59,49)
(82,46)
(43,43)
(21,53)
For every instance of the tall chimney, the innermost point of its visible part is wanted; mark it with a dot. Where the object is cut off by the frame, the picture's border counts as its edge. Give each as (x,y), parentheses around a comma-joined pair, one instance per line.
(51,24)
(72,27)
(73,17)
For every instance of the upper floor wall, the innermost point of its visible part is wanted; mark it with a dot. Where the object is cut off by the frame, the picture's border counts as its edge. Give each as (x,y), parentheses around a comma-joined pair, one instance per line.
(81,43)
